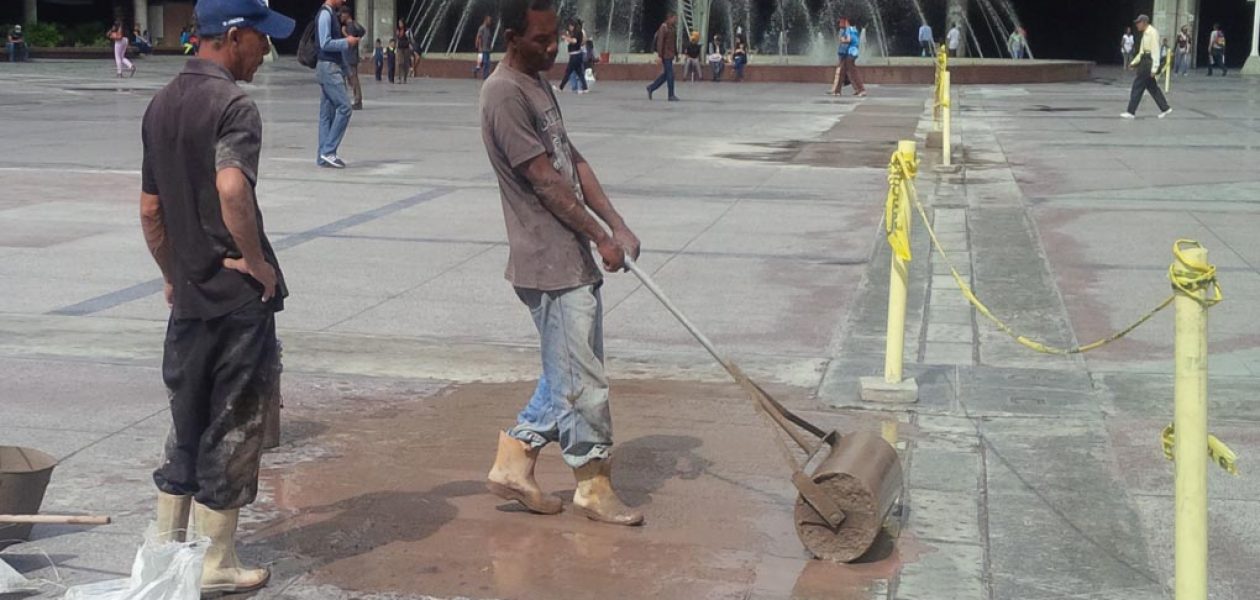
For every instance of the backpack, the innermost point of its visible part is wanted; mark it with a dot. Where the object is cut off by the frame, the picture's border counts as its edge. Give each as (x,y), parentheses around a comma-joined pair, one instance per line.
(308,47)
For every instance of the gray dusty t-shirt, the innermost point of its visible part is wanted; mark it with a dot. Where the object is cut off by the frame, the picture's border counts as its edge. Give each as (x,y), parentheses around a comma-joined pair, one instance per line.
(519,121)
(484,36)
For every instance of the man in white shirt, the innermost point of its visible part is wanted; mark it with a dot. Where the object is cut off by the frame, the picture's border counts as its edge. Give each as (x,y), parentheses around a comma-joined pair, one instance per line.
(953,38)
(926,41)
(1147,64)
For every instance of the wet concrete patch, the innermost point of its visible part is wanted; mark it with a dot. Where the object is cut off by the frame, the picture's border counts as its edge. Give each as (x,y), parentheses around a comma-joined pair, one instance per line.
(397,504)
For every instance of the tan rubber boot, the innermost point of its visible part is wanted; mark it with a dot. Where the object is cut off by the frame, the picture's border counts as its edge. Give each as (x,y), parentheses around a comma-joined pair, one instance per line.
(512,477)
(595,496)
(172,517)
(222,571)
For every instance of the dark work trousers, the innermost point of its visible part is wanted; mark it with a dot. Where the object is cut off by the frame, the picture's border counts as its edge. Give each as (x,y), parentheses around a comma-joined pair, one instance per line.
(218,374)
(380,65)
(577,68)
(666,78)
(1144,81)
(929,48)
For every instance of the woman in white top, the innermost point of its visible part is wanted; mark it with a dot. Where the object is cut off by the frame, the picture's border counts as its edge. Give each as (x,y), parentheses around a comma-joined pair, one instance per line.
(118,35)
(1126,46)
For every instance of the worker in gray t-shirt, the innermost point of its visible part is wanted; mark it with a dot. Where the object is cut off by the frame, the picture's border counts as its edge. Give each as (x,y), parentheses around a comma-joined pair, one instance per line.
(554,207)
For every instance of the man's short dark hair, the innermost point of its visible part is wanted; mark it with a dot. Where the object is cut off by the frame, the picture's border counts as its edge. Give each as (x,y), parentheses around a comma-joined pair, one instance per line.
(514,14)
(345,10)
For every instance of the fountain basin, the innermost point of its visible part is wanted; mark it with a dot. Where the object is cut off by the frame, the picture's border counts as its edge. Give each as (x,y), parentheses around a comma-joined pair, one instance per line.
(797,69)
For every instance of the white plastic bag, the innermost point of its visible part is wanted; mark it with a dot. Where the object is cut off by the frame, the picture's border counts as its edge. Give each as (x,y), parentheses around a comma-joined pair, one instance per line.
(11,581)
(161,571)
(590,76)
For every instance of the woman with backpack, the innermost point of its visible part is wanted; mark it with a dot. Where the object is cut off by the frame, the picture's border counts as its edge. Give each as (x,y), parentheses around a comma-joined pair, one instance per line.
(118,35)
(1181,60)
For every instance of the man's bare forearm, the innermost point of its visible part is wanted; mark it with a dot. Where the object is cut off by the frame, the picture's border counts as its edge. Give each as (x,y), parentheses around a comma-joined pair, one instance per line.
(595,196)
(236,202)
(559,198)
(155,233)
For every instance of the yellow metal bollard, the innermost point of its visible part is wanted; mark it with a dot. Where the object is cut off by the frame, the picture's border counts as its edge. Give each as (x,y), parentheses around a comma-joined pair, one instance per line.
(891,387)
(1168,59)
(945,145)
(1190,422)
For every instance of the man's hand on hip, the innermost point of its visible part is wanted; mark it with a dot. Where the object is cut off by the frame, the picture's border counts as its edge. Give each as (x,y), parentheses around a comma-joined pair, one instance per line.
(261,271)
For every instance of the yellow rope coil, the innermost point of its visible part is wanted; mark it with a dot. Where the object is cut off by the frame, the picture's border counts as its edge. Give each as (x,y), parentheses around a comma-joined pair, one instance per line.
(1186,275)
(1191,276)
(902,169)
(1217,450)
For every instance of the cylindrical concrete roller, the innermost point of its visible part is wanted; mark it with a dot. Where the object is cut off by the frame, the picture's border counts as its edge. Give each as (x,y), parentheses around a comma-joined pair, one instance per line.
(862,475)
(855,485)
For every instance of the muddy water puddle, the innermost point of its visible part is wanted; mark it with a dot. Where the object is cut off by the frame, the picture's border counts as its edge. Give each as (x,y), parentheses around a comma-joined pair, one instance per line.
(395,504)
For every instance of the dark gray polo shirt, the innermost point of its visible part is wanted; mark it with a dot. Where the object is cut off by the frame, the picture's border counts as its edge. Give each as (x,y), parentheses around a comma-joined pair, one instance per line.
(199,123)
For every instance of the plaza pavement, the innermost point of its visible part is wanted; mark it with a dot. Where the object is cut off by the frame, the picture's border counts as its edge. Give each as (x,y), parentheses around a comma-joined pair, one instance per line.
(759,206)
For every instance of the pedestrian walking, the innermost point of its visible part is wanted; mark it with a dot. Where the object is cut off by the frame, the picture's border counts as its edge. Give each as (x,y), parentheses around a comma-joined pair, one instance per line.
(666,45)
(1216,50)
(1181,60)
(739,60)
(403,50)
(692,70)
(847,55)
(1126,46)
(484,40)
(1015,43)
(118,36)
(1147,66)
(554,208)
(330,72)
(716,57)
(351,28)
(953,39)
(378,58)
(926,42)
(574,41)
(202,137)
(391,58)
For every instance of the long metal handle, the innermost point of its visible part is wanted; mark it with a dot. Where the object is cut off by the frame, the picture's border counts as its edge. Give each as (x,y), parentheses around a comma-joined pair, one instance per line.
(660,295)
(776,411)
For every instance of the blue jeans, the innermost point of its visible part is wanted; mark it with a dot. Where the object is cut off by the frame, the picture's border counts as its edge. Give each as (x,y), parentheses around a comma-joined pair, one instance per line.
(667,77)
(334,106)
(577,69)
(485,65)
(570,404)
(17,52)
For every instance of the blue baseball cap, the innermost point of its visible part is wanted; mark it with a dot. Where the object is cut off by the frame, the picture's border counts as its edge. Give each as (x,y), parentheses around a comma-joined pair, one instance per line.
(215,17)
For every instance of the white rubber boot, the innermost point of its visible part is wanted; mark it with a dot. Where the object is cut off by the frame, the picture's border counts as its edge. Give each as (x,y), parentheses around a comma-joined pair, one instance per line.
(172,517)
(222,572)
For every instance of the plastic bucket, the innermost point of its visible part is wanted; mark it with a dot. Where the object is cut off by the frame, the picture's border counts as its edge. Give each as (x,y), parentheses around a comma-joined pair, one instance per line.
(24,475)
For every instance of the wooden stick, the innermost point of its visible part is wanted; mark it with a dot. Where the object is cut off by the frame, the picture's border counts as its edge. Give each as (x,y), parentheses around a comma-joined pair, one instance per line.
(56,519)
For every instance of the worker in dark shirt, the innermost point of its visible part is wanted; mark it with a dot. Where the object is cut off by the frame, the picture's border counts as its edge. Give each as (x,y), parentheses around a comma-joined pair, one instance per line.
(202,135)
